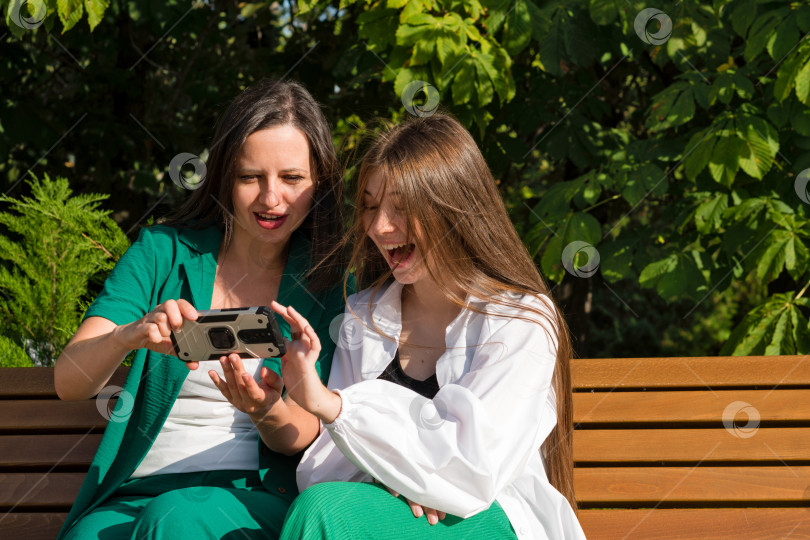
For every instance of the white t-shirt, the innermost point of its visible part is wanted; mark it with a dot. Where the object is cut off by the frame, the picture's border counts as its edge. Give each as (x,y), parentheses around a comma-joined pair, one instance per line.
(204,432)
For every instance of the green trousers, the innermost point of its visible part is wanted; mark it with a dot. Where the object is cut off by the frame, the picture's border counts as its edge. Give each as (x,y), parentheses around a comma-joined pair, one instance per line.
(354,510)
(218,504)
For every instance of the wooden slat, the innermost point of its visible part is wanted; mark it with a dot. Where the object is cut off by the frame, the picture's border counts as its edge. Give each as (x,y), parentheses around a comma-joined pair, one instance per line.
(689,406)
(697,524)
(38,381)
(36,414)
(690,445)
(44,526)
(695,372)
(649,485)
(31,490)
(19,382)
(47,450)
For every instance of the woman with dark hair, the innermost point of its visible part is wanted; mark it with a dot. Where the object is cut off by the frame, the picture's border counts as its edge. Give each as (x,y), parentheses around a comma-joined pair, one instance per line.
(450,384)
(206,453)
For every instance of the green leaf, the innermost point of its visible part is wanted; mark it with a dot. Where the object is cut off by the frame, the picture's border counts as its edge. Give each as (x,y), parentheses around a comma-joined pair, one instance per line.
(709,214)
(743,15)
(744,86)
(555,203)
(644,181)
(378,27)
(551,261)
(70,12)
(803,18)
(786,76)
(796,257)
(95,11)
(800,120)
(724,161)
(674,277)
(583,227)
(761,145)
(464,83)
(517,31)
(616,260)
(603,12)
(497,10)
(768,259)
(783,40)
(485,90)
(770,328)
(407,75)
(422,52)
(698,151)
(671,107)
(760,33)
(803,84)
(551,49)
(722,88)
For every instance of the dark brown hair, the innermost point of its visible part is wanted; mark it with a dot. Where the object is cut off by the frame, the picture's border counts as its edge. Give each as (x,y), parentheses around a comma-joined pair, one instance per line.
(445,185)
(263,105)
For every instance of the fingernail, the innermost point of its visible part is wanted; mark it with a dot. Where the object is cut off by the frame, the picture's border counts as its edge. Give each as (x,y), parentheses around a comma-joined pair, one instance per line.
(433,520)
(419,512)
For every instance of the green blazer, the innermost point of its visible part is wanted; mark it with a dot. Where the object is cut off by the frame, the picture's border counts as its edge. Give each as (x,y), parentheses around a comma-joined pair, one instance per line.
(168,263)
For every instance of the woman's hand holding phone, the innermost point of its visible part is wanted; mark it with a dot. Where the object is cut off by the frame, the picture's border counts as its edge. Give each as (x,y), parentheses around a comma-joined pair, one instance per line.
(154,329)
(298,368)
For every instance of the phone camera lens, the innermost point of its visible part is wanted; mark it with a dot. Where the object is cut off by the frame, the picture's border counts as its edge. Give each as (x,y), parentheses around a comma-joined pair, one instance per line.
(221,338)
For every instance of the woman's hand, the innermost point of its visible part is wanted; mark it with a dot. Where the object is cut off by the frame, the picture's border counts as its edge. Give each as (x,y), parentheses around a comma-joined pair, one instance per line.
(244,393)
(152,331)
(433,516)
(301,378)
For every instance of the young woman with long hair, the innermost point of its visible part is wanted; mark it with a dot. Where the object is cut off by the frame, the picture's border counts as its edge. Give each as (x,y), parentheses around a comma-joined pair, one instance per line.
(210,453)
(450,384)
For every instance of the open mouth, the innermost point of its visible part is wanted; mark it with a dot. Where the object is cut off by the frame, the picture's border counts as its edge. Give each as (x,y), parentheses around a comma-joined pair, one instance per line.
(267,217)
(269,221)
(399,253)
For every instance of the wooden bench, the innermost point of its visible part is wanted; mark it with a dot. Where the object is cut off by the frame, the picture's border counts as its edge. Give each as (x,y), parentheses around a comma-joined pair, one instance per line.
(657,451)
(698,448)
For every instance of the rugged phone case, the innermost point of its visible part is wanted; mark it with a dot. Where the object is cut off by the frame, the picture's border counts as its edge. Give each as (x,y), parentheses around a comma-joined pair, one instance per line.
(252,332)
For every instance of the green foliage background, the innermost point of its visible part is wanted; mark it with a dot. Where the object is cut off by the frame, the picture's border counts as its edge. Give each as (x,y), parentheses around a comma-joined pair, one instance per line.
(678,157)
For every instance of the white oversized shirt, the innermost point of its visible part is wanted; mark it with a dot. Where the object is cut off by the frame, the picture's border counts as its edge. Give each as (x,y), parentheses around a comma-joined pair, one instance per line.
(479,439)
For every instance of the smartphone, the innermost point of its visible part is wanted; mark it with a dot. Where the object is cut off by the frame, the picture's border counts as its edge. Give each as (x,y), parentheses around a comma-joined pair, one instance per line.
(251,332)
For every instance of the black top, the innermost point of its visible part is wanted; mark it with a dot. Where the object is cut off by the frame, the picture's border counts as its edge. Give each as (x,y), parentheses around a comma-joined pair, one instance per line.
(393,373)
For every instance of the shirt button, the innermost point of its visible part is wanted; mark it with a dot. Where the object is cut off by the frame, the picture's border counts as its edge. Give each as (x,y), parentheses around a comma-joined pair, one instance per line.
(522,530)
(282,490)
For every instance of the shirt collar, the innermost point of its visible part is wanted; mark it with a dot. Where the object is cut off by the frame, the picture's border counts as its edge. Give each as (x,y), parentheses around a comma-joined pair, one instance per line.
(206,240)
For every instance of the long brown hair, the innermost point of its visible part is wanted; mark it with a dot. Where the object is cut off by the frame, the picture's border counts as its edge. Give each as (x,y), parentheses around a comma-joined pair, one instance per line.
(265,104)
(445,185)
